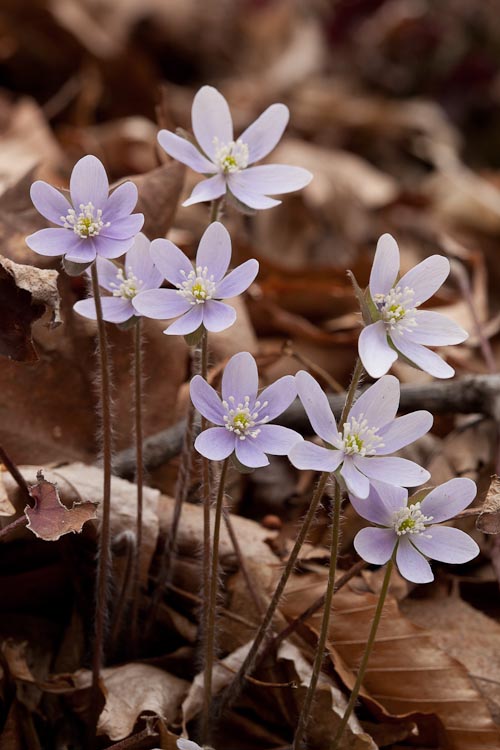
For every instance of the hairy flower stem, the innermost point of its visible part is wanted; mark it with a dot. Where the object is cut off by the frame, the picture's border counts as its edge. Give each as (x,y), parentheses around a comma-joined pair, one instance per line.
(139,479)
(211,603)
(234,689)
(320,651)
(104,551)
(366,656)
(351,392)
(216,209)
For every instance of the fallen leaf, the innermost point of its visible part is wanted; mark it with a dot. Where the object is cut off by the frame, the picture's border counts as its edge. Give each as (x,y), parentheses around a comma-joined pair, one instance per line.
(159,192)
(50,519)
(26,293)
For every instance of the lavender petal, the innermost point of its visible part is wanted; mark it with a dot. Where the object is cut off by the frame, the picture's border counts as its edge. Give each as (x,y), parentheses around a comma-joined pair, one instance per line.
(385,266)
(279,395)
(139,262)
(121,202)
(426,278)
(89,183)
(240,378)
(374,350)
(425,359)
(450,498)
(411,564)
(379,403)
(172,263)
(216,443)
(307,455)
(206,400)
(273,179)
(239,189)
(356,482)
(53,242)
(49,202)
(404,430)
(211,119)
(393,470)
(249,454)
(434,329)
(217,316)
(107,247)
(317,408)
(382,502)
(182,150)
(262,136)
(238,280)
(375,546)
(124,228)
(160,304)
(214,250)
(446,544)
(187,323)
(207,190)
(276,440)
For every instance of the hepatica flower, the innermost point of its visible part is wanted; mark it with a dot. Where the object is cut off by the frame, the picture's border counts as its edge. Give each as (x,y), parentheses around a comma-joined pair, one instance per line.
(399,326)
(226,161)
(199,287)
(122,284)
(183,744)
(360,449)
(242,417)
(407,527)
(94,223)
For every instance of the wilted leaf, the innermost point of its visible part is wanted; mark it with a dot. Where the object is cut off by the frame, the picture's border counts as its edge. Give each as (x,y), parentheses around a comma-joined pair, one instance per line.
(159,192)
(489,519)
(409,675)
(50,519)
(25,293)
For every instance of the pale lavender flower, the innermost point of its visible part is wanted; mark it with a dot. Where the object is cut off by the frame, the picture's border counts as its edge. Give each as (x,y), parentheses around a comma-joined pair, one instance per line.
(399,327)
(226,160)
(361,450)
(123,283)
(94,223)
(199,287)
(242,416)
(183,744)
(407,526)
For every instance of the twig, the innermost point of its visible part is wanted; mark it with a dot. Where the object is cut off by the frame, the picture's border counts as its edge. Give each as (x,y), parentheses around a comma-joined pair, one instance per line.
(16,475)
(17,524)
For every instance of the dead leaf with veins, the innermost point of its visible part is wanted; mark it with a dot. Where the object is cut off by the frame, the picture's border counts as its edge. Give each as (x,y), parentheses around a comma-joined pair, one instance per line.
(50,519)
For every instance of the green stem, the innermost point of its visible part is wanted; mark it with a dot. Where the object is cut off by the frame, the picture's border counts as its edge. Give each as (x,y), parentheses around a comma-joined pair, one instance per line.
(320,652)
(212,607)
(234,689)
(104,551)
(366,656)
(216,209)
(351,393)
(139,479)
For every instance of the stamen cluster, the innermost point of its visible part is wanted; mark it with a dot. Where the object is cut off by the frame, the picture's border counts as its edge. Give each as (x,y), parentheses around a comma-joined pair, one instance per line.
(128,286)
(231,157)
(410,520)
(241,419)
(397,308)
(198,286)
(88,223)
(359,438)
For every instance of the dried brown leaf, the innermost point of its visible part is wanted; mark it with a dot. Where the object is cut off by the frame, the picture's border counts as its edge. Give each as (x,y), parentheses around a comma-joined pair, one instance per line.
(159,192)
(50,519)
(489,519)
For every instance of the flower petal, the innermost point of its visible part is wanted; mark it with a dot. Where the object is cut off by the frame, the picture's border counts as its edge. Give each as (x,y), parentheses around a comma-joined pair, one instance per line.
(379,403)
(240,378)
(216,443)
(434,329)
(211,119)
(374,350)
(217,316)
(375,545)
(49,202)
(108,247)
(446,544)
(238,280)
(450,498)
(279,396)
(385,266)
(425,359)
(307,455)
(170,261)
(83,252)
(207,190)
(53,241)
(185,152)
(277,440)
(239,189)
(248,453)
(382,502)
(206,400)
(411,564)
(160,304)
(139,261)
(317,408)
(183,744)
(426,278)
(121,202)
(273,179)
(187,323)
(114,309)
(123,228)
(404,430)
(263,134)
(214,250)
(89,183)
(356,482)
(393,470)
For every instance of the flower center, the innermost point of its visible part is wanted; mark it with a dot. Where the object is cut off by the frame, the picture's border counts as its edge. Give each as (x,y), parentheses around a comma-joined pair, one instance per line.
(232,156)
(88,223)
(198,286)
(359,438)
(127,286)
(397,308)
(241,419)
(410,520)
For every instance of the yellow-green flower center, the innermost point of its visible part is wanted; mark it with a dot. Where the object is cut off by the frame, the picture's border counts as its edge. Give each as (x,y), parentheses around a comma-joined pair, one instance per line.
(87,223)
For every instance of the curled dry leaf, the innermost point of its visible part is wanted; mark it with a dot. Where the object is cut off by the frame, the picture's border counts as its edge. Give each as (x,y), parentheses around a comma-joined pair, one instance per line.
(26,293)
(50,519)
(409,675)
(132,689)
(488,520)
(159,192)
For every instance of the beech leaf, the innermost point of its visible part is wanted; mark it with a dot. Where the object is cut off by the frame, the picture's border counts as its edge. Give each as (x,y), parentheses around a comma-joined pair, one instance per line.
(50,519)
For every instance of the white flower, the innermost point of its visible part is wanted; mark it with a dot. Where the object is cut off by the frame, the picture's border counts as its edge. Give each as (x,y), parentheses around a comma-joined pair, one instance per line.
(225,160)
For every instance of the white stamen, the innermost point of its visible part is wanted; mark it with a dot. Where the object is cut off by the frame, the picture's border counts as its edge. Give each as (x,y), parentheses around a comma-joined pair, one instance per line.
(397,308)
(198,286)
(241,419)
(128,285)
(231,157)
(88,223)
(358,438)
(410,520)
